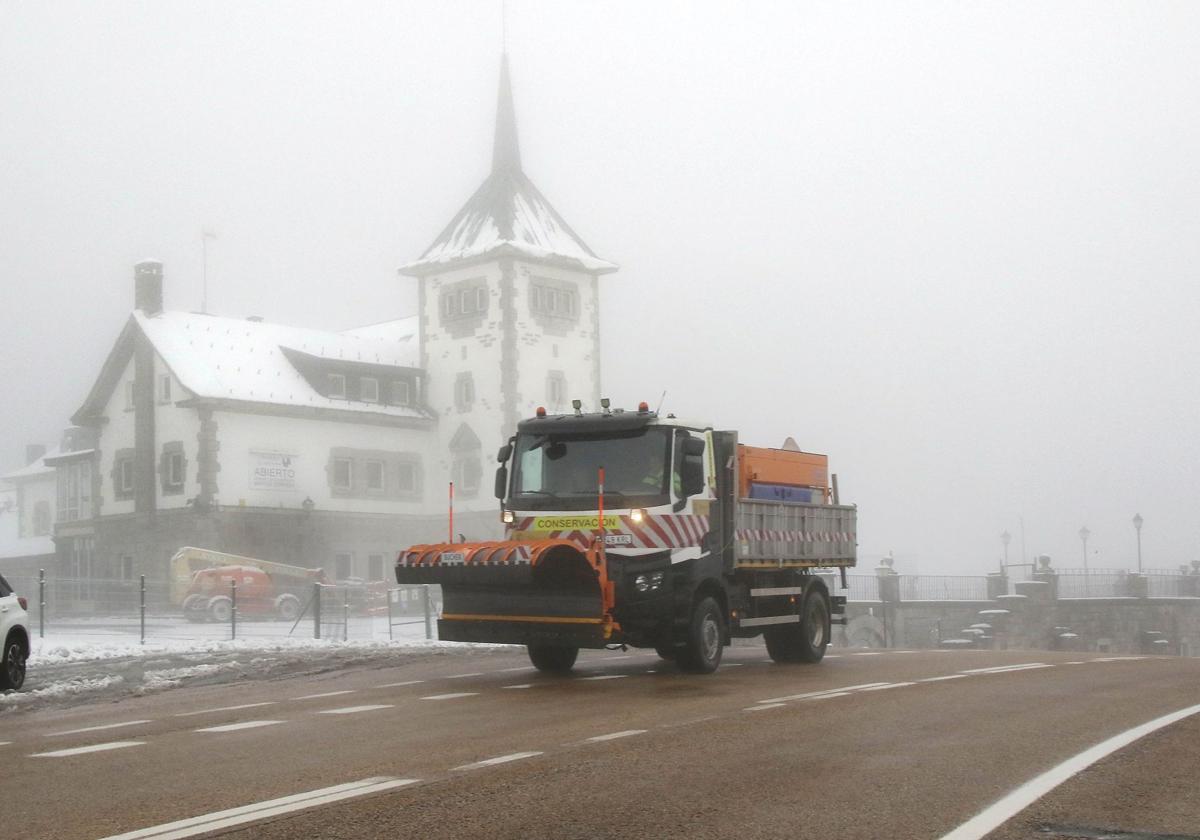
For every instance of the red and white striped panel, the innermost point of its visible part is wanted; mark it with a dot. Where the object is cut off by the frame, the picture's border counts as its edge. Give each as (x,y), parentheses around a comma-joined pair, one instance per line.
(763,535)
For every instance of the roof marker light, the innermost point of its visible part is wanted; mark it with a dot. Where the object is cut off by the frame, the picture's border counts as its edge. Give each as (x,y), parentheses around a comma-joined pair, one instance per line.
(578,406)
(643,407)
(604,404)
(541,411)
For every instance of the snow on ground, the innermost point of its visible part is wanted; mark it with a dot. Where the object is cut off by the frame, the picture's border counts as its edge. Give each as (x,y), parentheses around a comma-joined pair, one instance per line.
(85,661)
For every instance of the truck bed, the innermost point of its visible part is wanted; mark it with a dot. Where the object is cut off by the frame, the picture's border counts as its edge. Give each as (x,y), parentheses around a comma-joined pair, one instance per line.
(774,535)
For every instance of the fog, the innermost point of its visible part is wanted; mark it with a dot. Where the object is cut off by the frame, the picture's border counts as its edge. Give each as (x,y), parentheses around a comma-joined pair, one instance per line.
(955,246)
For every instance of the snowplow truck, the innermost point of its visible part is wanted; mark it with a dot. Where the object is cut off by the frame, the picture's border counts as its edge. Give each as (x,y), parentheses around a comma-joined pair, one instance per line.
(627,528)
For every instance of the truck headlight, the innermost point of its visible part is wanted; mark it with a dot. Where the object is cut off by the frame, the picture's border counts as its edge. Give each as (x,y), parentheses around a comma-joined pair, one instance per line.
(637,514)
(648,582)
(507,517)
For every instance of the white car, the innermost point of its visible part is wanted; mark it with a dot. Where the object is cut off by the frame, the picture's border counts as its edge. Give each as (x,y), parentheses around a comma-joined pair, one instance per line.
(14,630)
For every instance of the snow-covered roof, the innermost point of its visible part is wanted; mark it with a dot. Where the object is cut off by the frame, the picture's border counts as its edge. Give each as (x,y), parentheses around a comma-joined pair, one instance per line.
(401,329)
(234,359)
(33,470)
(508,214)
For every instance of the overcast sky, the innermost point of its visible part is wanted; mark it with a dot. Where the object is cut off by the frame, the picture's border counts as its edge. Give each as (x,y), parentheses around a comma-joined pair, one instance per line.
(956,246)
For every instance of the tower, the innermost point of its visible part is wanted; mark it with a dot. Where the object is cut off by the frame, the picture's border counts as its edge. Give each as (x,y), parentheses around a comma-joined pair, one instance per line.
(509,315)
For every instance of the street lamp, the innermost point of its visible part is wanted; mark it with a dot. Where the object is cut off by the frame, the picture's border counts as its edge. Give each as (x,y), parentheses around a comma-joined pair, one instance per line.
(1084,533)
(1137,526)
(1005,538)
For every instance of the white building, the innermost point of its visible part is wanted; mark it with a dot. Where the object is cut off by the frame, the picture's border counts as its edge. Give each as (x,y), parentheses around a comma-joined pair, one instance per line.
(336,449)
(27,510)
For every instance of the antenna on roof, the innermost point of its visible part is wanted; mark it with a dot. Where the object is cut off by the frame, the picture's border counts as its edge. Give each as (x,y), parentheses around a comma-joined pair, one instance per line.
(661,400)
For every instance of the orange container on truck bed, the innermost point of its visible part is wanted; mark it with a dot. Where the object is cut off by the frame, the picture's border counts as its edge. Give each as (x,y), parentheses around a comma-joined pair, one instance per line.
(760,465)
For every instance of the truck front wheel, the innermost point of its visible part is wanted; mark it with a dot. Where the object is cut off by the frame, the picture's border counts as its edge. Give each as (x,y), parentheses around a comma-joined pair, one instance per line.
(553,659)
(705,639)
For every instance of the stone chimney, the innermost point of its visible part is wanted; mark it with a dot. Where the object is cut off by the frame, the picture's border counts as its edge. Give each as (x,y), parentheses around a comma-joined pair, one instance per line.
(148,287)
(33,451)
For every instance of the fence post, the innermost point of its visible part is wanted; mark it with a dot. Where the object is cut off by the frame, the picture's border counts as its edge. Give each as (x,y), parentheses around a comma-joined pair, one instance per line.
(346,613)
(41,603)
(389,600)
(143,609)
(425,602)
(316,599)
(233,609)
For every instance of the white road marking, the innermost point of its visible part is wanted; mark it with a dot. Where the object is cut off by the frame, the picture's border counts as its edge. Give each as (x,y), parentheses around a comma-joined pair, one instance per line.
(326,694)
(353,710)
(605,677)
(98,728)
(500,759)
(451,696)
(246,724)
(738,664)
(1076,662)
(872,653)
(612,736)
(1009,806)
(262,810)
(762,706)
(830,696)
(947,677)
(650,671)
(399,684)
(226,709)
(1119,658)
(834,656)
(5,743)
(806,695)
(1004,669)
(887,686)
(464,676)
(614,658)
(111,745)
(518,668)
(519,685)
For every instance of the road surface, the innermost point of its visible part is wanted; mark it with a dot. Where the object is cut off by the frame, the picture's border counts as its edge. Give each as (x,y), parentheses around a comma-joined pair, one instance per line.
(868,744)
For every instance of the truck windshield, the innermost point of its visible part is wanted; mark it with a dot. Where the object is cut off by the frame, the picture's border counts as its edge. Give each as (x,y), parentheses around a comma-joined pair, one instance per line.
(559,472)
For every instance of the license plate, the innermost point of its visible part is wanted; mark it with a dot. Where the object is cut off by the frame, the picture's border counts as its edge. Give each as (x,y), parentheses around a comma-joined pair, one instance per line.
(618,539)
(452,558)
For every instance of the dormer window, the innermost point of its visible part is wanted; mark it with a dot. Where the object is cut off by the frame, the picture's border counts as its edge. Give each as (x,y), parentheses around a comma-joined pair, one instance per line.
(368,389)
(400,392)
(337,386)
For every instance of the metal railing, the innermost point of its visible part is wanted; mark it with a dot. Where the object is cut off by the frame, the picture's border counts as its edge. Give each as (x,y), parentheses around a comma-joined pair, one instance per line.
(140,610)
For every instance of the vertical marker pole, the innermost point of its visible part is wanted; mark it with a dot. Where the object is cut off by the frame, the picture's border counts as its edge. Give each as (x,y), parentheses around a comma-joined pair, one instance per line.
(41,603)
(143,610)
(451,539)
(601,507)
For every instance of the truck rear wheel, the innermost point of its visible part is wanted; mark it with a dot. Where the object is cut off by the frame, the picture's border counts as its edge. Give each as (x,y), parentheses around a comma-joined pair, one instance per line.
(220,609)
(807,640)
(287,607)
(553,659)
(705,639)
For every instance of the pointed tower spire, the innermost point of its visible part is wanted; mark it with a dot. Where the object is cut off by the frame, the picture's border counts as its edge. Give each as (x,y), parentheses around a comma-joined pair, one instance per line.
(506,153)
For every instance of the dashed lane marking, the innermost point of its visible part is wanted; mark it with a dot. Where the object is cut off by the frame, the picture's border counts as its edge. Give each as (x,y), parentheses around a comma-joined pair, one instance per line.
(761,706)
(1075,662)
(519,685)
(1005,669)
(98,728)
(612,736)
(735,665)
(325,694)
(5,743)
(943,679)
(464,676)
(1000,812)
(262,810)
(844,690)
(830,696)
(1119,658)
(605,677)
(453,696)
(869,653)
(615,658)
(400,684)
(500,759)
(111,745)
(518,668)
(353,710)
(226,709)
(886,686)
(235,727)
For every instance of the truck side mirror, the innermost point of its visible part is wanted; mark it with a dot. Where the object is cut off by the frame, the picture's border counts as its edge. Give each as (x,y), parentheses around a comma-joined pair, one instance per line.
(691,475)
(501,482)
(504,454)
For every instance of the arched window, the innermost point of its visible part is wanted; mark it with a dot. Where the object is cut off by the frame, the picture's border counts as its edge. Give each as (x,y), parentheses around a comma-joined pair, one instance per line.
(466,462)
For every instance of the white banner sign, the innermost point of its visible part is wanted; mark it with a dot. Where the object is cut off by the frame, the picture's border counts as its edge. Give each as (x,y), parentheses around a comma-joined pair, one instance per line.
(272,470)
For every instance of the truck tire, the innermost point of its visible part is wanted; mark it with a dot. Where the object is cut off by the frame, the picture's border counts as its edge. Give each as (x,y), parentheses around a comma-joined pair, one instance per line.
(193,608)
(705,639)
(12,662)
(553,659)
(807,640)
(287,607)
(220,609)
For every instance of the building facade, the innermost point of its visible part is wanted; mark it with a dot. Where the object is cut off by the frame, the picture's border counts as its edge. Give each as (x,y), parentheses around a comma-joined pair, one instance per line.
(336,449)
